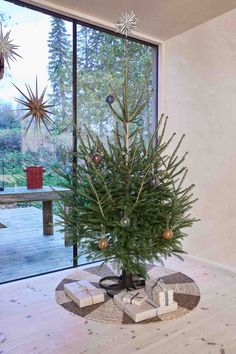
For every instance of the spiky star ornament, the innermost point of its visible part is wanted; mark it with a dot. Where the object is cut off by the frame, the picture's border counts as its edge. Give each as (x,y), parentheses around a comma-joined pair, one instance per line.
(7,50)
(127,23)
(36,108)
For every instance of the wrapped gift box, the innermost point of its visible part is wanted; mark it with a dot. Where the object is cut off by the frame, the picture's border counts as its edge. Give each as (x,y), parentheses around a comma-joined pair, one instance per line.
(135,297)
(163,309)
(159,293)
(149,285)
(166,309)
(136,312)
(140,312)
(118,299)
(83,293)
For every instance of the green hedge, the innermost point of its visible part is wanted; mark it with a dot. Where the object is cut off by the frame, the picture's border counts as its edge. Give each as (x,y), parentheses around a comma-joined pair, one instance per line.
(10,139)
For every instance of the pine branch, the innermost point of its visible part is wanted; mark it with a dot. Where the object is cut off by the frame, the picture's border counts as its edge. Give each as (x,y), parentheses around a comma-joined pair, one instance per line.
(175,164)
(104,183)
(154,135)
(162,132)
(97,197)
(177,148)
(116,115)
(121,104)
(142,185)
(161,148)
(141,104)
(182,180)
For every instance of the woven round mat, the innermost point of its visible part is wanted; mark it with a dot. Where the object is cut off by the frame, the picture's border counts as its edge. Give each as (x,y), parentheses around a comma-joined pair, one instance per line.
(186,294)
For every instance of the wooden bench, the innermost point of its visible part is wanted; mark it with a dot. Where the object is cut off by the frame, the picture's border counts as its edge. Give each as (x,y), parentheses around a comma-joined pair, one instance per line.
(46,195)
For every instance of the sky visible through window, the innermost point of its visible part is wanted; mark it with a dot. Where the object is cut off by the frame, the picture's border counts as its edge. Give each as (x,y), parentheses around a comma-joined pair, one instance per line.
(29,30)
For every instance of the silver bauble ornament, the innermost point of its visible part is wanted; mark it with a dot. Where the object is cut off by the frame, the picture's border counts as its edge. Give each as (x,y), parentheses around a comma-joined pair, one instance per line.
(154,181)
(125,221)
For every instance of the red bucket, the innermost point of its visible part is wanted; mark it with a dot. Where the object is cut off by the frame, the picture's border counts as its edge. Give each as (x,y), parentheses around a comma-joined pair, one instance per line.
(34,175)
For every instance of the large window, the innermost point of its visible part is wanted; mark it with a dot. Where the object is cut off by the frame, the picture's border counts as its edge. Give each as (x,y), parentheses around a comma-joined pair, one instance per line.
(100,61)
(46,43)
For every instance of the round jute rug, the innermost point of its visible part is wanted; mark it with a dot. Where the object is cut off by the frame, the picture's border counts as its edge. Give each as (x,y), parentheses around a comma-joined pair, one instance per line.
(186,294)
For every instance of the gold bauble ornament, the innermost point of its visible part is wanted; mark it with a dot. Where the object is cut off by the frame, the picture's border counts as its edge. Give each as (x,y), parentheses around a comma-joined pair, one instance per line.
(103,244)
(167,234)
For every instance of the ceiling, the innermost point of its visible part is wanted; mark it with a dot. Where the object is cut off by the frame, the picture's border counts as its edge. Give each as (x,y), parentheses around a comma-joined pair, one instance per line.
(160,19)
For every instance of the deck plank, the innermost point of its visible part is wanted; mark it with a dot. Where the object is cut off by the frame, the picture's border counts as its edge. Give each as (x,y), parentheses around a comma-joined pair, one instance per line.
(24,250)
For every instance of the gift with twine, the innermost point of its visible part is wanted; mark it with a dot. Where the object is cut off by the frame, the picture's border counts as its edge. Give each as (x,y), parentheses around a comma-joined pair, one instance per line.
(83,293)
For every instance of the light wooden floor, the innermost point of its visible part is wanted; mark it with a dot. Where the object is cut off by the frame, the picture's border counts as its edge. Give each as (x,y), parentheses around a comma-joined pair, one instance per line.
(24,250)
(32,323)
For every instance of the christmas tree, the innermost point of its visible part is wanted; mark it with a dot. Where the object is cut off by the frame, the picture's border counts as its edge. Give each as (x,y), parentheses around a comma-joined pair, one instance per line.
(128,202)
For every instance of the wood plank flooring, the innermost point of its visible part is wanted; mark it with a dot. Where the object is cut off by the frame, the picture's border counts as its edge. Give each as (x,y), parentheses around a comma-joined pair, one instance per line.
(31,322)
(24,250)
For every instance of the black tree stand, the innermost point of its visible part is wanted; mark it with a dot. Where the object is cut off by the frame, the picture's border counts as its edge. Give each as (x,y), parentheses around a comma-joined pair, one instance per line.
(124,281)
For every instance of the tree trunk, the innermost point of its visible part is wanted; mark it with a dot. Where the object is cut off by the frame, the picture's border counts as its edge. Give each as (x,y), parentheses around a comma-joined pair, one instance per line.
(127,280)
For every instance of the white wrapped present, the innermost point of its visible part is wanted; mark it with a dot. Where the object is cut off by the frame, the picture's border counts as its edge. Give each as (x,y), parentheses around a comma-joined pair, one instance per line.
(136,312)
(140,312)
(166,309)
(159,293)
(83,293)
(135,297)
(118,299)
(161,310)
(149,285)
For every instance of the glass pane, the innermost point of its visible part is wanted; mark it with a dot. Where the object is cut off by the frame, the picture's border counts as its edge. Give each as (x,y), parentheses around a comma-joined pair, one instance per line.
(100,62)
(45,47)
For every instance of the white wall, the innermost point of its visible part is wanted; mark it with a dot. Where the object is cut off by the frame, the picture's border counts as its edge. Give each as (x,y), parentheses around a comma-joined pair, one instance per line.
(200,98)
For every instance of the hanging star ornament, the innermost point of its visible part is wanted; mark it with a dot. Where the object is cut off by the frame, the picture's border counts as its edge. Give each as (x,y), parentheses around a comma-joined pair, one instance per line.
(7,49)
(36,108)
(127,23)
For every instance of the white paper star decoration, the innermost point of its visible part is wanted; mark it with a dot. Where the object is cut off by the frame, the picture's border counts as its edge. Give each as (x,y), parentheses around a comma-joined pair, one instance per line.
(7,50)
(36,108)
(127,23)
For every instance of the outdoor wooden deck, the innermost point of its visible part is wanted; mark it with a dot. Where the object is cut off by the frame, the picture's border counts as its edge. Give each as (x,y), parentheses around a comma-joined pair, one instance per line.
(24,250)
